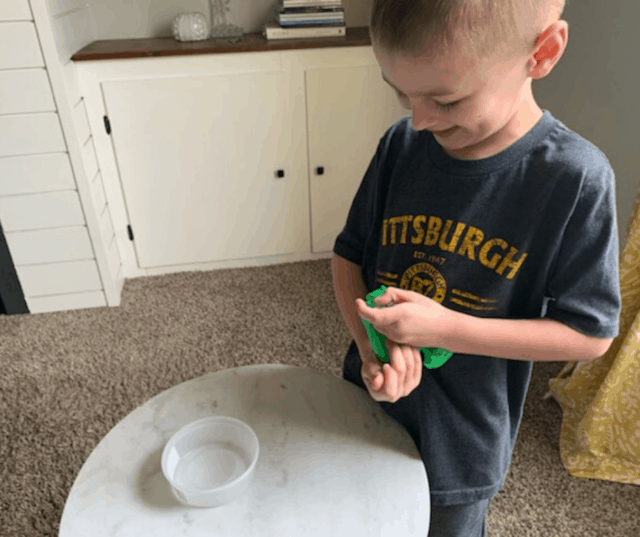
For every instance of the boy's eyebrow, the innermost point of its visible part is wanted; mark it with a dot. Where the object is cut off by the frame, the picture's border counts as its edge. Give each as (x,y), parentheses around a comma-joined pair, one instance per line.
(438,92)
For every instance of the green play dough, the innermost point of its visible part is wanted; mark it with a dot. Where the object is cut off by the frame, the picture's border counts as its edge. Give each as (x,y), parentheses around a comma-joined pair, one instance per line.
(432,357)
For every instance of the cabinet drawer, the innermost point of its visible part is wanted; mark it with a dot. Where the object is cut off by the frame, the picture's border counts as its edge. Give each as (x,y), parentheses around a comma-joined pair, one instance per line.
(25,91)
(50,245)
(19,45)
(30,133)
(41,211)
(59,278)
(35,174)
(15,10)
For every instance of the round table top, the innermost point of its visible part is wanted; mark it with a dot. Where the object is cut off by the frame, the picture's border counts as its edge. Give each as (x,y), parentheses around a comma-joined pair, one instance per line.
(331,463)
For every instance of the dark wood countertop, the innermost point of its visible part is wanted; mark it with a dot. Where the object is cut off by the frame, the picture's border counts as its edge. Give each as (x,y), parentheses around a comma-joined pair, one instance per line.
(114,49)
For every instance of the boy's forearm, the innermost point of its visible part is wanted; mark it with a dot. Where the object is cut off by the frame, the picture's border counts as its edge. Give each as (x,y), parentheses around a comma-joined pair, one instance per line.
(348,285)
(536,340)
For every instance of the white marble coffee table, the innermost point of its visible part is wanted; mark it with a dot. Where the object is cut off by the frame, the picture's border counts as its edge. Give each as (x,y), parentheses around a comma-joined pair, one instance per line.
(331,463)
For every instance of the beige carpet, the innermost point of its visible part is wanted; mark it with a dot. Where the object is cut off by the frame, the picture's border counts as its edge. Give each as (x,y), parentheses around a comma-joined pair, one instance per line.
(68,378)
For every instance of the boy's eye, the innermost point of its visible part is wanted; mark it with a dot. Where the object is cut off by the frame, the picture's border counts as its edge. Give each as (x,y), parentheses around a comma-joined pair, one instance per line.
(444,107)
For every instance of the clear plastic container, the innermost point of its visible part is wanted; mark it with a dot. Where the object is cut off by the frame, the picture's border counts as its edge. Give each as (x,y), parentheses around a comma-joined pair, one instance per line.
(210,462)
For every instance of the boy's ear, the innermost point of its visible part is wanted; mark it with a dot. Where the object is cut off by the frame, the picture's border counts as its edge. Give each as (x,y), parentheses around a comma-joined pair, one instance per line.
(549,49)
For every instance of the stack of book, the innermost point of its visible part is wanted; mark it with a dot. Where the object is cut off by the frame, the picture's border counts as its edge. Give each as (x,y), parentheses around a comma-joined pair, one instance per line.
(307,18)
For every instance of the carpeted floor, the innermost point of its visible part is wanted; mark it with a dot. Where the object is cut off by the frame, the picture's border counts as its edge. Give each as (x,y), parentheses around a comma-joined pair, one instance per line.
(68,378)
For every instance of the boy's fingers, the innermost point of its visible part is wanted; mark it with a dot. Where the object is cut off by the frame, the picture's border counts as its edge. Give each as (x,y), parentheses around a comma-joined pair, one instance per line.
(411,367)
(391,381)
(397,364)
(416,359)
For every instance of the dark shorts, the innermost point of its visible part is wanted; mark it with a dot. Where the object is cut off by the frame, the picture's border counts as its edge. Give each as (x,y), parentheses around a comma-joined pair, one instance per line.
(464,520)
(459,520)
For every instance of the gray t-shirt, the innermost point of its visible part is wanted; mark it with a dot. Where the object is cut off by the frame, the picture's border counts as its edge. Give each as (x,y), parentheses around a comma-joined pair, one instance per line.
(528,233)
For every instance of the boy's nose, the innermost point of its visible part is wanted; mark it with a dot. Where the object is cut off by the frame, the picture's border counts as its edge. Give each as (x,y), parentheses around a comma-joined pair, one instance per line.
(424,118)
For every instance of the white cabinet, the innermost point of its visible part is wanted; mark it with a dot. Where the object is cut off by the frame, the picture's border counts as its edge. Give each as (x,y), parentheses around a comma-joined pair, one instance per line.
(197,158)
(217,158)
(349,109)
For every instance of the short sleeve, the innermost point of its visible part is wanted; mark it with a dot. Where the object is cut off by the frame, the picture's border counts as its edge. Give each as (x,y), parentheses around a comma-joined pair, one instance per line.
(351,241)
(584,288)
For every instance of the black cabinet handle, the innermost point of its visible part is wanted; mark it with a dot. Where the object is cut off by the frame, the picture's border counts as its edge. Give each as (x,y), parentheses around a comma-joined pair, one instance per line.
(319,171)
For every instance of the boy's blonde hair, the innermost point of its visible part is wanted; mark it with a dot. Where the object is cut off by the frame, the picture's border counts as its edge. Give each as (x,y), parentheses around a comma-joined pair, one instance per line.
(479,29)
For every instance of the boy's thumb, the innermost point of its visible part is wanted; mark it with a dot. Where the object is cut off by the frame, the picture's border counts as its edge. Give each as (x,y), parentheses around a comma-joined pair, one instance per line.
(372,372)
(377,380)
(385,297)
(391,296)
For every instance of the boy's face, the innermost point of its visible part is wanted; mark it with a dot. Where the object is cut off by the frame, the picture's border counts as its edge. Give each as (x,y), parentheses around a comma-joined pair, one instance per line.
(486,108)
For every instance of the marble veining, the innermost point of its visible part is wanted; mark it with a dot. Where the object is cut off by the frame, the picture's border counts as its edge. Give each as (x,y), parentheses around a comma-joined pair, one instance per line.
(331,463)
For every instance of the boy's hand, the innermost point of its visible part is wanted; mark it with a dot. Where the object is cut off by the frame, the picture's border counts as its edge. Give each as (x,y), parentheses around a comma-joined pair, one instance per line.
(414,320)
(391,381)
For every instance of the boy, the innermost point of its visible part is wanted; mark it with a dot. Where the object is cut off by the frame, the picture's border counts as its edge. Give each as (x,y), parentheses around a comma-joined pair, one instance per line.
(494,227)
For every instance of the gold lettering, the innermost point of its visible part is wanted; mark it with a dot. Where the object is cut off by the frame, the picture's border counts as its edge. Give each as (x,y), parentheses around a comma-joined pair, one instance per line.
(454,239)
(508,262)
(485,250)
(405,226)
(472,239)
(393,221)
(472,306)
(417,226)
(433,229)
(384,232)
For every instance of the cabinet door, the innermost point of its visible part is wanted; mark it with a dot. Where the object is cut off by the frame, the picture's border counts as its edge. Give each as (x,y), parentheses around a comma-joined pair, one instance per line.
(349,110)
(197,159)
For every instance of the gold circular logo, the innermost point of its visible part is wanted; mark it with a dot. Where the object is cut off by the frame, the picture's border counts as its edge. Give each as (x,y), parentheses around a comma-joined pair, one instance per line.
(425,279)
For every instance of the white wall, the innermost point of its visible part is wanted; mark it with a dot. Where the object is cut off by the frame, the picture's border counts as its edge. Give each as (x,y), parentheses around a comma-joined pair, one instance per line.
(52,206)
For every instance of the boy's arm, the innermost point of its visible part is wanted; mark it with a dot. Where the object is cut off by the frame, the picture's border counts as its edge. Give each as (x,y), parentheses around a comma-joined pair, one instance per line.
(348,284)
(537,340)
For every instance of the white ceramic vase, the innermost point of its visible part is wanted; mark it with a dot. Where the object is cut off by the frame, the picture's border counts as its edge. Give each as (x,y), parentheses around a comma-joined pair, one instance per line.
(190,26)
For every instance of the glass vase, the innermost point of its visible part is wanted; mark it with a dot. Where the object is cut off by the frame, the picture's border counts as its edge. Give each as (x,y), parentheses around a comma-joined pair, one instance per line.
(220,28)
